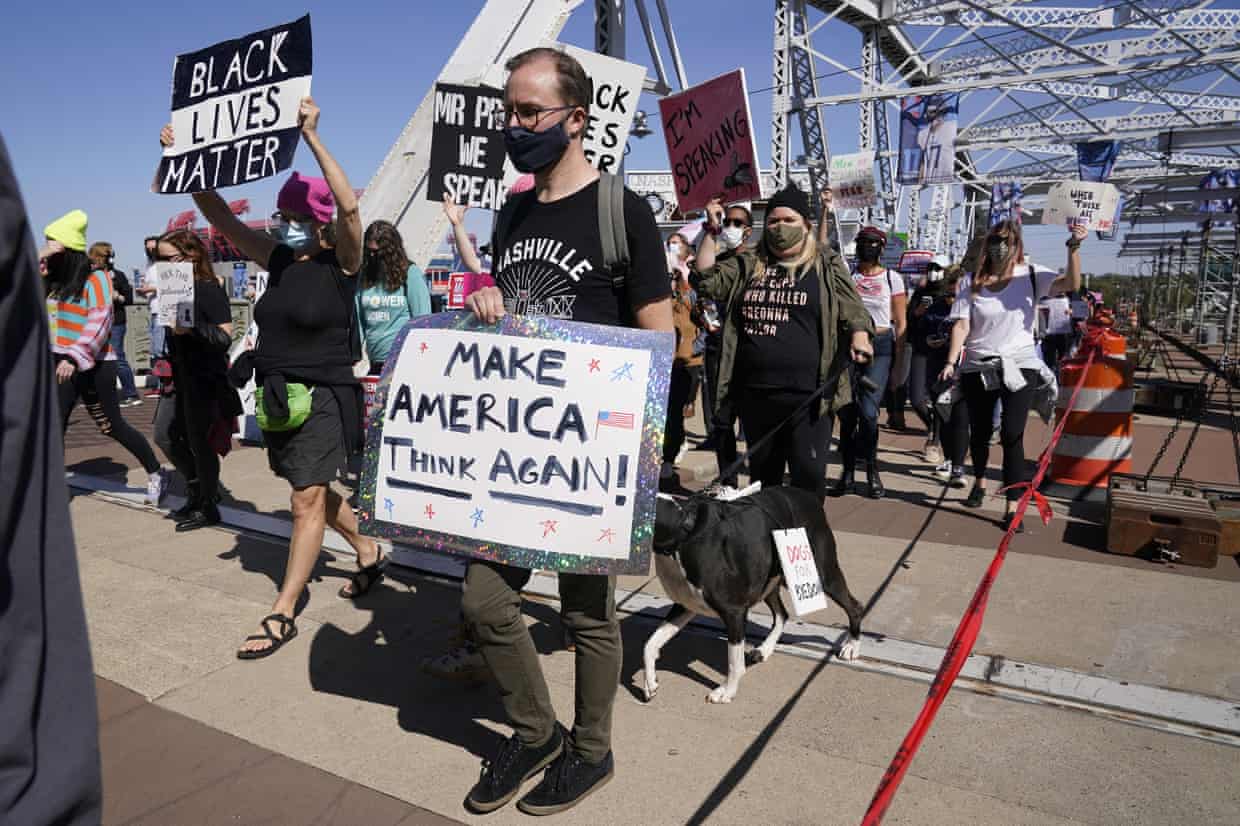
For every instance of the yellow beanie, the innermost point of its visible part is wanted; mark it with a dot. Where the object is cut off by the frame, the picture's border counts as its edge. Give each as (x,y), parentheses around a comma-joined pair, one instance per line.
(69,229)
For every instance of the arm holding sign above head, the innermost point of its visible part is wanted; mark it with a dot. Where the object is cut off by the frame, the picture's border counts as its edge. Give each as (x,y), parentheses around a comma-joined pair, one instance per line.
(1070,281)
(253,244)
(456,217)
(824,218)
(348,216)
(708,247)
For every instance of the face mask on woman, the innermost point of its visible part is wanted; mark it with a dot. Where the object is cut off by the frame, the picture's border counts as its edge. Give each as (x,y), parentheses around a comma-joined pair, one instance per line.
(783,237)
(869,250)
(731,237)
(998,250)
(296,235)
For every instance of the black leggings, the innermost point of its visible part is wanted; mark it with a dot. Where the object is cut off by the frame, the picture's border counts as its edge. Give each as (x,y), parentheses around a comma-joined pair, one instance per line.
(981,406)
(96,388)
(677,397)
(182,424)
(801,444)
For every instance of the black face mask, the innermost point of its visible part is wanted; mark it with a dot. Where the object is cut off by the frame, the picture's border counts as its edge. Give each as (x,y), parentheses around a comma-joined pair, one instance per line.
(869,251)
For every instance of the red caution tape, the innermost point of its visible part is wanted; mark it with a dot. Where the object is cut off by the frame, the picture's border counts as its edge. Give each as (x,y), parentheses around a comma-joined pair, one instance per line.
(963,640)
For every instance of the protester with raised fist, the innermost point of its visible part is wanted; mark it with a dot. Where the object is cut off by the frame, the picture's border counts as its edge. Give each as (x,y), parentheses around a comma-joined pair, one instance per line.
(199,402)
(882,292)
(793,318)
(310,405)
(994,316)
(80,307)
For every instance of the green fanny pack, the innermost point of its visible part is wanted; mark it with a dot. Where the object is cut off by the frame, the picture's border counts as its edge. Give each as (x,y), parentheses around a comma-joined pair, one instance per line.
(300,398)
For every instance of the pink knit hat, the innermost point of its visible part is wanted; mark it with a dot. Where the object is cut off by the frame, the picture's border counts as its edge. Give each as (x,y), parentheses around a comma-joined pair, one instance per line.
(305,195)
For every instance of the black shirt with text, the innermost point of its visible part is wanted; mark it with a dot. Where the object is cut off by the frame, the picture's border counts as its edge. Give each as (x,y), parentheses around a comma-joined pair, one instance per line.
(779,340)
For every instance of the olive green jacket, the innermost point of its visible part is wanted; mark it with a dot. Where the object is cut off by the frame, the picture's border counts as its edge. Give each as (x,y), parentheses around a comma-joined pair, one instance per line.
(842,315)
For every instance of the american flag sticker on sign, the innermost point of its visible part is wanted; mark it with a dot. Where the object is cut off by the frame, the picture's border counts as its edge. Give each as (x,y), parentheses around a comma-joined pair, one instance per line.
(613,418)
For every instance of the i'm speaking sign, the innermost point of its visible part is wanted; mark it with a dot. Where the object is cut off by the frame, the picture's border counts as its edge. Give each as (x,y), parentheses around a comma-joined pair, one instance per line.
(234,110)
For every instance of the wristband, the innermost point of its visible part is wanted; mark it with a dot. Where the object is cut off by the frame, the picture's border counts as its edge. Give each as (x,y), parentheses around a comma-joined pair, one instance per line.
(1073,243)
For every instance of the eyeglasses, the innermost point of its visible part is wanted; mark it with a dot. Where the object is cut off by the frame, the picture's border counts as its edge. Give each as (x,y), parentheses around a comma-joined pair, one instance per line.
(739,223)
(170,259)
(531,116)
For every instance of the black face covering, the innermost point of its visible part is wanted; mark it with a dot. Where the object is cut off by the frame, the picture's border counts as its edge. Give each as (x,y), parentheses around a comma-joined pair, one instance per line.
(869,250)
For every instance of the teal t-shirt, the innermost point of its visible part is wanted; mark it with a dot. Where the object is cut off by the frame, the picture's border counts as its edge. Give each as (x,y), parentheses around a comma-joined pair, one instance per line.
(382,314)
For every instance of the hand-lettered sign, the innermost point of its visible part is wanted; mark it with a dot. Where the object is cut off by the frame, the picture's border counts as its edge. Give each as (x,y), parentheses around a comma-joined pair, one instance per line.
(710,142)
(617,87)
(176,294)
(467,146)
(1074,202)
(234,110)
(852,180)
(534,442)
(796,557)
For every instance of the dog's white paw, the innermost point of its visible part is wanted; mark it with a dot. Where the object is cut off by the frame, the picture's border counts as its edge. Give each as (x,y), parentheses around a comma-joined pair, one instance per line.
(850,650)
(719,695)
(650,688)
(757,655)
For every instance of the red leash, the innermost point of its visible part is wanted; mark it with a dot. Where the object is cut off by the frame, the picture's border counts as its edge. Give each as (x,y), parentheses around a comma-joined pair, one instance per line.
(962,642)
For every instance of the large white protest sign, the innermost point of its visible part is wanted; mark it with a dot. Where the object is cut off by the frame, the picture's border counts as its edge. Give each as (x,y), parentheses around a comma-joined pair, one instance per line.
(1073,202)
(534,442)
(852,180)
(617,87)
(796,557)
(176,294)
(234,109)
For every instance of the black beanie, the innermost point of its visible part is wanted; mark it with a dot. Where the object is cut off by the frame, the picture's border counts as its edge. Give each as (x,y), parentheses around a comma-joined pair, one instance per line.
(793,198)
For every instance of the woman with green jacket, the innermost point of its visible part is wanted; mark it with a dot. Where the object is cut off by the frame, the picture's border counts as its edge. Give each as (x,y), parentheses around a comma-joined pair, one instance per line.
(793,318)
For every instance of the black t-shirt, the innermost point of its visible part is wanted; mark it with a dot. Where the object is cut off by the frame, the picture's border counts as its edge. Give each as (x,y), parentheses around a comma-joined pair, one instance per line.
(933,322)
(124,292)
(210,307)
(779,341)
(304,319)
(552,260)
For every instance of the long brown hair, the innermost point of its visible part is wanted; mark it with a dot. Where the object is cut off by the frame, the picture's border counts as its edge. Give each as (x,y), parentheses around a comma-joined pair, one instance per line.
(190,245)
(1008,230)
(393,264)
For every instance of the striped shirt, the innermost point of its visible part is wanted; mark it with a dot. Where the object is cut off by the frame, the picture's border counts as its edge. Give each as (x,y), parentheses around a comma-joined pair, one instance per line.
(81,327)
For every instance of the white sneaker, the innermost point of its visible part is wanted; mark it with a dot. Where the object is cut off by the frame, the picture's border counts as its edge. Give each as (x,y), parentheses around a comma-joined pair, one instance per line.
(932,453)
(463,663)
(943,471)
(155,487)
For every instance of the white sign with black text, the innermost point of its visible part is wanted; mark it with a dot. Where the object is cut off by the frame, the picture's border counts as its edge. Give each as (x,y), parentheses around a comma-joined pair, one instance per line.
(617,88)
(796,557)
(176,294)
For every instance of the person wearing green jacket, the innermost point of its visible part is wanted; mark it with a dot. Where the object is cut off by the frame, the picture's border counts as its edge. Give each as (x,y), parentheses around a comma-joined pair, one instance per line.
(793,318)
(390,292)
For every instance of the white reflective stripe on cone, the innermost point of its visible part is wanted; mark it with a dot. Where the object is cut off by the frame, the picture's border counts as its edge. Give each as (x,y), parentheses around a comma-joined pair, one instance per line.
(1098,401)
(1105,448)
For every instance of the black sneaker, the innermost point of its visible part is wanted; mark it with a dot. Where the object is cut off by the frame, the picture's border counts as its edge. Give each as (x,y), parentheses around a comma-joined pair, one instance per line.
(512,765)
(568,781)
(975,498)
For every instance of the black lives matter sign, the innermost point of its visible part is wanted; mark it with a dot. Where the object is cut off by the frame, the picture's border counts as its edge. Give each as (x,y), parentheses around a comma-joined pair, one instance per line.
(234,109)
(467,146)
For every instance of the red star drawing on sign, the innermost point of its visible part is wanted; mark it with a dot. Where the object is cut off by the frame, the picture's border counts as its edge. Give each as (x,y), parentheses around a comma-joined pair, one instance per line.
(607,534)
(594,366)
(422,347)
(430,511)
(548,526)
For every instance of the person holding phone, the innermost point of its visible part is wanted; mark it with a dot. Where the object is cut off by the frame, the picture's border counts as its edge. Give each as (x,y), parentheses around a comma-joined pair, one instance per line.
(928,330)
(994,315)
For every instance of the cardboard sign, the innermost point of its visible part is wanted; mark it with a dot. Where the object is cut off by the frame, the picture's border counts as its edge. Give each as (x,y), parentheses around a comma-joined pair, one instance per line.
(796,557)
(1073,202)
(710,142)
(234,110)
(533,442)
(852,180)
(617,88)
(467,146)
(175,283)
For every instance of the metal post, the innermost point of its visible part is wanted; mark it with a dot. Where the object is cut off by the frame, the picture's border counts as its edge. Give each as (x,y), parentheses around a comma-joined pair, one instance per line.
(1229,332)
(1199,312)
(780,97)
(870,60)
(1179,283)
(609,28)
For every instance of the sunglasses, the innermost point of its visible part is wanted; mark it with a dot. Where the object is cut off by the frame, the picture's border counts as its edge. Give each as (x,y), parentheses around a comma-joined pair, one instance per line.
(739,223)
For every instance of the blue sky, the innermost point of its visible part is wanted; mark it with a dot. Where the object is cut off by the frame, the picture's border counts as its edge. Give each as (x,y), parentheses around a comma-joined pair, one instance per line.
(85,91)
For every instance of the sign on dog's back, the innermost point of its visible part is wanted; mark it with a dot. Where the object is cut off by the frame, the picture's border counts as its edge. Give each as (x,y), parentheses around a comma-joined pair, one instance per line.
(796,557)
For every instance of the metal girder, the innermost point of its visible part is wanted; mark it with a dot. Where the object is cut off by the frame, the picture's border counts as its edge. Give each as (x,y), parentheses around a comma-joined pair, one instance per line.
(1072,17)
(805,87)
(1102,92)
(1113,51)
(780,98)
(1122,126)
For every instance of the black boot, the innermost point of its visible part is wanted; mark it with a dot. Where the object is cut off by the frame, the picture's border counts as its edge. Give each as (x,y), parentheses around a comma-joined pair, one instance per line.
(874,484)
(206,515)
(193,501)
(844,485)
(895,412)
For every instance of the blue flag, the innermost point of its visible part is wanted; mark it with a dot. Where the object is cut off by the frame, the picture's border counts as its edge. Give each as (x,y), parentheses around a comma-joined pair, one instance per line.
(1005,202)
(1096,159)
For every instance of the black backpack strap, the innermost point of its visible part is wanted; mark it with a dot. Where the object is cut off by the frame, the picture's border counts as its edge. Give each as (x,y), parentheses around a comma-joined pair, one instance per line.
(612,230)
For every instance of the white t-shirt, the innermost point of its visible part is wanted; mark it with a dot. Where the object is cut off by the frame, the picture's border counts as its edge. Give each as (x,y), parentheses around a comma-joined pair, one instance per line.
(1000,324)
(1058,315)
(876,291)
(150,279)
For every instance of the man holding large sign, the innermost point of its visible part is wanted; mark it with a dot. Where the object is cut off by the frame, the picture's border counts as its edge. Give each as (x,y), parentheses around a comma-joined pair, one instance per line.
(234,110)
(551,431)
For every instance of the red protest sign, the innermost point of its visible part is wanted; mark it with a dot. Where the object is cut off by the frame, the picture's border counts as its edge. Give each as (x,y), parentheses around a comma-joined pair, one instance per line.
(710,142)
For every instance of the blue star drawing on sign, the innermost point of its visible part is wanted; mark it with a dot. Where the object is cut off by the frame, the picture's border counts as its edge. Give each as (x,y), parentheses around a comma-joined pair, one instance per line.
(477,516)
(388,504)
(624,371)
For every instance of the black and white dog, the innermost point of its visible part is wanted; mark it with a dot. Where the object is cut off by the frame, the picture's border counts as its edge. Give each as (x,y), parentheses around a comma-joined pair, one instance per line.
(718,558)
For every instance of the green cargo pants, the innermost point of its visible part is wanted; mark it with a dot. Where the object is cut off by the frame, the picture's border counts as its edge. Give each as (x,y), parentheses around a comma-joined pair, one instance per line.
(491,604)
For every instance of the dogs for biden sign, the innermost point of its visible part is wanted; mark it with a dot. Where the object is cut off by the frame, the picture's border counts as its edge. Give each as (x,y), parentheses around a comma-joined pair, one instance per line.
(234,109)
(533,442)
